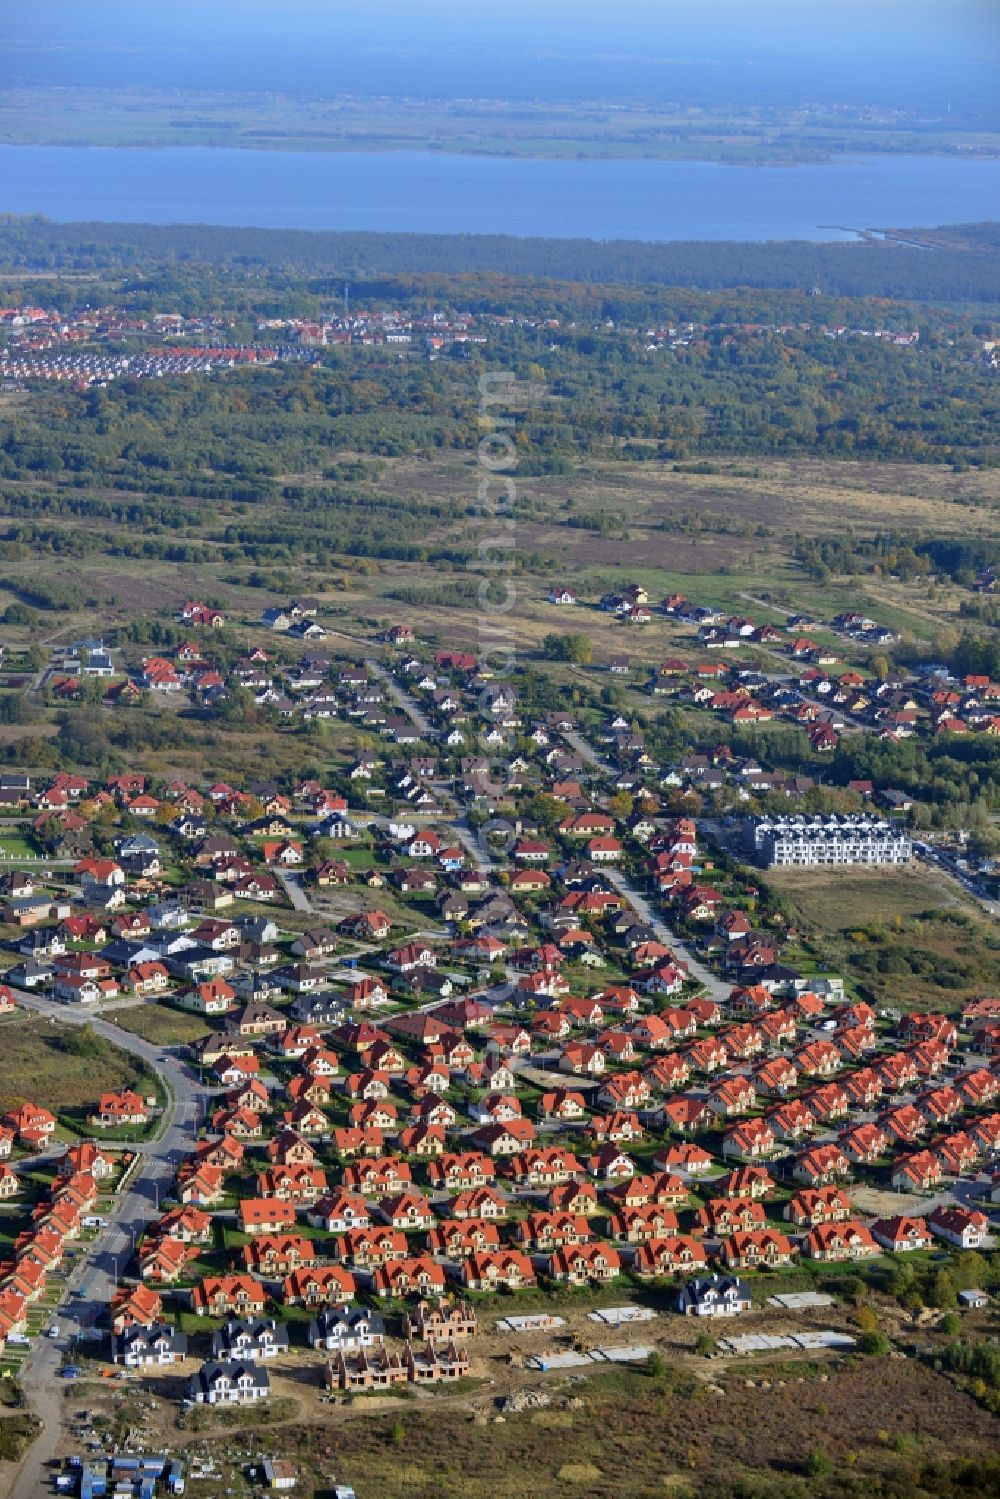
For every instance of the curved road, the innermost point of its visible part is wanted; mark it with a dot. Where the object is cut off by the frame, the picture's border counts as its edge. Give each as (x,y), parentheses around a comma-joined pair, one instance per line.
(95,1274)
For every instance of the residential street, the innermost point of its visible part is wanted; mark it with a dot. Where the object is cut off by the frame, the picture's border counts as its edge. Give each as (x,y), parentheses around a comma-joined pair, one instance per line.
(404,702)
(96,1272)
(714,987)
(482,859)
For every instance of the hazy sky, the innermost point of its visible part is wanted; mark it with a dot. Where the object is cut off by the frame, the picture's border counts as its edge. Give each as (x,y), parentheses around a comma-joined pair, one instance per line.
(518,23)
(883,50)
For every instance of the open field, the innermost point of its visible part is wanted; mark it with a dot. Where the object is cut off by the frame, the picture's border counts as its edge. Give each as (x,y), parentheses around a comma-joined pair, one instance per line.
(814,495)
(738,557)
(609,1435)
(61,1067)
(823,900)
(908,936)
(740,523)
(161,1024)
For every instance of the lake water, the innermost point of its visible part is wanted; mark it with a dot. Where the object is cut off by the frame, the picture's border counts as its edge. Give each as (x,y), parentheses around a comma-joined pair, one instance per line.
(428,193)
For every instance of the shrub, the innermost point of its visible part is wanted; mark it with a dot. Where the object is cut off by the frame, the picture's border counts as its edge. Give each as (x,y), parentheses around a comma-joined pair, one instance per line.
(867,1319)
(818,1464)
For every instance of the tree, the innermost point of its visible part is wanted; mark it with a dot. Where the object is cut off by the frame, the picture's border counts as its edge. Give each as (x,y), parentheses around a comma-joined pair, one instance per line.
(620,805)
(574,647)
(547,811)
(867,1319)
(943,1292)
(656,1366)
(581,650)
(818,1464)
(970,1270)
(875,1344)
(945,641)
(14,708)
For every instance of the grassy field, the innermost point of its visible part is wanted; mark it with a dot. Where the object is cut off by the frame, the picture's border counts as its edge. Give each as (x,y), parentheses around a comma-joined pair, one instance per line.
(908,937)
(17,1431)
(628,1435)
(161,1024)
(62,1067)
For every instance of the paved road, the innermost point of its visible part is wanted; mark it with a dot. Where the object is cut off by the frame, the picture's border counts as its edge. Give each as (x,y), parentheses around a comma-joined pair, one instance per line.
(403,700)
(480,854)
(964,881)
(586,751)
(643,908)
(714,987)
(295,890)
(104,1258)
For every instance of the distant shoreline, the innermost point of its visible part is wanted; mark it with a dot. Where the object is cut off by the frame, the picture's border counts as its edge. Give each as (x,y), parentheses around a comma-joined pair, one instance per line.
(296,146)
(584,129)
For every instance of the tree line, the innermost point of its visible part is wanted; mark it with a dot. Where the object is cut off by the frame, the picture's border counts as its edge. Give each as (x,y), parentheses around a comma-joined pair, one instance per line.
(968,272)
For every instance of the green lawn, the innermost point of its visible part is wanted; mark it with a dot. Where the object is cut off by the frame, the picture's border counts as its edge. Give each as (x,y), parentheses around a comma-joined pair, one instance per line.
(12,846)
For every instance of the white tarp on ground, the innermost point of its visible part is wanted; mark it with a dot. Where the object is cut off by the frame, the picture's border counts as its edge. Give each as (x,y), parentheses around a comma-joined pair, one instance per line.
(618,1316)
(800,1301)
(542,1322)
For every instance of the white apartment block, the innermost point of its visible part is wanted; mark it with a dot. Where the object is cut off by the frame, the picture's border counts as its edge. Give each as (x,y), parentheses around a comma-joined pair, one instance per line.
(807,841)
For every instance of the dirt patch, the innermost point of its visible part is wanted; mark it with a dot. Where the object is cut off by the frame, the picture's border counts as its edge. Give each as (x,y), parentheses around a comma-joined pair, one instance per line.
(882,1204)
